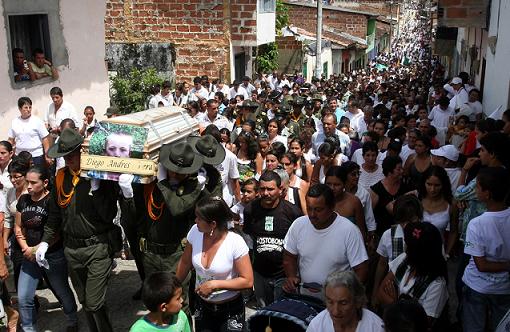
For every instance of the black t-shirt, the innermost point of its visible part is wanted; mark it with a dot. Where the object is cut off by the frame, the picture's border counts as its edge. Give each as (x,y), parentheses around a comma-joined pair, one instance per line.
(33,218)
(268,228)
(383,218)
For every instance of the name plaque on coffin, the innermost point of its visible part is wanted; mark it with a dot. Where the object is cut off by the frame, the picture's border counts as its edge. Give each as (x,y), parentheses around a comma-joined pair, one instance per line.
(143,167)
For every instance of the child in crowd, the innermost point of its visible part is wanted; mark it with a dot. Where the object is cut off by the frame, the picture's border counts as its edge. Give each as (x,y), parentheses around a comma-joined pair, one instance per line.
(249,191)
(88,121)
(162,295)
(487,277)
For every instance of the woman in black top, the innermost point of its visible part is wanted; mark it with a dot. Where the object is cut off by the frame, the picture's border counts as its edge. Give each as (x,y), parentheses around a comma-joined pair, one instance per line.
(31,216)
(385,192)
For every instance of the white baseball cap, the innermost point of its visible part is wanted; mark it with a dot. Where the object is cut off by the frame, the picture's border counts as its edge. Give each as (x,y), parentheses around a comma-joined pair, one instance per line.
(456,80)
(450,152)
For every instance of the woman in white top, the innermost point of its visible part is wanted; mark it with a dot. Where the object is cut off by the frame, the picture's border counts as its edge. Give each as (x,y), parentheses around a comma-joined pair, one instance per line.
(304,167)
(6,153)
(420,272)
(273,131)
(436,196)
(222,266)
(345,298)
(370,172)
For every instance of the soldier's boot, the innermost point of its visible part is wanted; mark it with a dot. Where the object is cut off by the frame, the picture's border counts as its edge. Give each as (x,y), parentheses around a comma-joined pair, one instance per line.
(102,320)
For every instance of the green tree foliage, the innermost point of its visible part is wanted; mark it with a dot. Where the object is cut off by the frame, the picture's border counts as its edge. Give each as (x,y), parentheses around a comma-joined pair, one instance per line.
(130,89)
(267,57)
(282,16)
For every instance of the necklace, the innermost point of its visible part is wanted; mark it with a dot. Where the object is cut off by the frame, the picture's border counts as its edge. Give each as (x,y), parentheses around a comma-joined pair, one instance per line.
(155,211)
(63,198)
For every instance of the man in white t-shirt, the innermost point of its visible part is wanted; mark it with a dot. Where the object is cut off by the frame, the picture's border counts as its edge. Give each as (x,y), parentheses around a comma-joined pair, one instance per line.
(321,243)
(442,114)
(59,110)
(487,275)
(198,92)
(238,90)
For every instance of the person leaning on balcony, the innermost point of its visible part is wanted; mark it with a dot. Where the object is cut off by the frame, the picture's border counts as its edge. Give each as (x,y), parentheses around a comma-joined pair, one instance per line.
(41,67)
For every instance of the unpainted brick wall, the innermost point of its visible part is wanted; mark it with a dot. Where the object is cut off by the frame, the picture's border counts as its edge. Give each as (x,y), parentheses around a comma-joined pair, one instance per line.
(199,29)
(306,18)
(244,20)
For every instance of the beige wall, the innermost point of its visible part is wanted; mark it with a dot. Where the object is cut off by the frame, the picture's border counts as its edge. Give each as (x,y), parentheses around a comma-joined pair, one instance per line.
(84,81)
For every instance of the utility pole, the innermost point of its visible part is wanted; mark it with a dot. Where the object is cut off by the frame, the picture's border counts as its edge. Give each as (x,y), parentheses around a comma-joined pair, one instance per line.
(318,51)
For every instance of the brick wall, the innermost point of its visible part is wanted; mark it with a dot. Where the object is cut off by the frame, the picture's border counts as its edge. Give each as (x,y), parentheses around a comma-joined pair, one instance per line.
(244,21)
(200,31)
(463,13)
(306,18)
(290,54)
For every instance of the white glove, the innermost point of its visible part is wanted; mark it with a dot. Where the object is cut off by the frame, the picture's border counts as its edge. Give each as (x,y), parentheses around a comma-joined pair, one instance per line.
(125,185)
(162,173)
(94,184)
(202,177)
(40,255)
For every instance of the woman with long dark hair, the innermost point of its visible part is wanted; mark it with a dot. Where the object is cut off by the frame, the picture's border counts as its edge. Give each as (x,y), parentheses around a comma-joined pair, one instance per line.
(249,160)
(418,163)
(436,197)
(420,272)
(220,259)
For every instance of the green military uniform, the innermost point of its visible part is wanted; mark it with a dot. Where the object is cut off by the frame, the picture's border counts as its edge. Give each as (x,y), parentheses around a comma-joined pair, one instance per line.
(297,118)
(90,240)
(83,215)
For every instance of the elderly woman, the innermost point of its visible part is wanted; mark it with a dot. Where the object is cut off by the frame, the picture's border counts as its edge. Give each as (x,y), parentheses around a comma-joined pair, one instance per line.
(345,297)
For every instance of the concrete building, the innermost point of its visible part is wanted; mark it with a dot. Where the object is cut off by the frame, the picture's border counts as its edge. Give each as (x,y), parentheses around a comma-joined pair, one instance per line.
(71,33)
(480,47)
(355,35)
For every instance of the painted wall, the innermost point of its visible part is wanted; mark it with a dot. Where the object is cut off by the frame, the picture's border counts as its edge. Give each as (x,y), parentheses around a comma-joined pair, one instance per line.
(497,74)
(266,27)
(84,80)
(326,57)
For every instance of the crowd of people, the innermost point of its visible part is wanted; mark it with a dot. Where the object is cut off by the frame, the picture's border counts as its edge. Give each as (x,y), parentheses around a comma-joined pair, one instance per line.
(358,190)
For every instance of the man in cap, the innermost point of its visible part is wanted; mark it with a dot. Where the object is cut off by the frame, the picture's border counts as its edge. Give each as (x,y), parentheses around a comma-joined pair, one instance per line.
(297,118)
(165,209)
(460,95)
(89,234)
(447,157)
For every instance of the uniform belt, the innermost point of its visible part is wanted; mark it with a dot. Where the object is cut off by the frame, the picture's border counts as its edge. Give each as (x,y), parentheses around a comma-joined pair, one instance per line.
(75,243)
(159,248)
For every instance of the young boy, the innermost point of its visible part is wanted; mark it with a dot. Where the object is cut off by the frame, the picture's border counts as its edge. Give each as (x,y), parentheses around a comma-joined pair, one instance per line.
(487,277)
(162,295)
(249,191)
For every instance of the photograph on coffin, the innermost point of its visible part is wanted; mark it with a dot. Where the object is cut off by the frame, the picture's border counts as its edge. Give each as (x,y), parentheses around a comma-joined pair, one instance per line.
(115,149)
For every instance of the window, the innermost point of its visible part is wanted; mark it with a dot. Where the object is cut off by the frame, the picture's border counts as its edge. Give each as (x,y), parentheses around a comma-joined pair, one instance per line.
(267,6)
(28,30)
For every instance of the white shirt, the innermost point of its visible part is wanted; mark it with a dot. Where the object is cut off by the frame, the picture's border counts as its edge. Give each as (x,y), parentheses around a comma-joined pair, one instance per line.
(385,246)
(435,296)
(454,176)
(155,100)
(357,157)
(240,92)
(220,121)
(231,249)
(319,137)
(369,322)
(202,94)
(367,179)
(338,247)
(28,135)
(366,201)
(228,170)
(461,97)
(249,88)
(488,236)
(354,118)
(440,118)
(405,153)
(168,100)
(66,111)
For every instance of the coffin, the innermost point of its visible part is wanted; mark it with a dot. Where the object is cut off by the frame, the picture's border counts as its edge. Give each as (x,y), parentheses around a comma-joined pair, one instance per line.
(130,143)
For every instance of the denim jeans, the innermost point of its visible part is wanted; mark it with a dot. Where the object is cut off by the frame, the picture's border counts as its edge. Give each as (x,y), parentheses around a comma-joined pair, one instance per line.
(58,277)
(475,305)
(267,290)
